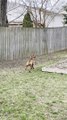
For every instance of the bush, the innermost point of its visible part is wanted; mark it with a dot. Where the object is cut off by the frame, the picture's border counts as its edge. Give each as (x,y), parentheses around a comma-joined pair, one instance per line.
(27,22)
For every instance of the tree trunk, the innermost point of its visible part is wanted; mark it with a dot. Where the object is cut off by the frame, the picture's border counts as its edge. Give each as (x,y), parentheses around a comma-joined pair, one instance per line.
(3,10)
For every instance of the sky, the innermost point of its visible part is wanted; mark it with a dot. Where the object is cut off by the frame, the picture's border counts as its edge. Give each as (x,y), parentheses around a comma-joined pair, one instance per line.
(53,1)
(58,6)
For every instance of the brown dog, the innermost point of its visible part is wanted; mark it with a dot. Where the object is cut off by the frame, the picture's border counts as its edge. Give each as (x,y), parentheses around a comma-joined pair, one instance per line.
(30,63)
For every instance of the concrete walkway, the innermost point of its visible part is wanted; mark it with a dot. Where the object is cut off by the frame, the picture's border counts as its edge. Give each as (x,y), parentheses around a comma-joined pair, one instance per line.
(60,67)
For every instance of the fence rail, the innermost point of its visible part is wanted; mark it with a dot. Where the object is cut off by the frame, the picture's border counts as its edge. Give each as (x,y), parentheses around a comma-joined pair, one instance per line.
(17,42)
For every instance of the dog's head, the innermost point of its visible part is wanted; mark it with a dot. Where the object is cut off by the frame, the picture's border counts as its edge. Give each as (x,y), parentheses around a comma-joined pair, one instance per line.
(33,56)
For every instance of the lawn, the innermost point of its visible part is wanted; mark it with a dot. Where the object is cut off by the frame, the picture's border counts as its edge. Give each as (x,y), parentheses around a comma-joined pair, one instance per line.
(33,96)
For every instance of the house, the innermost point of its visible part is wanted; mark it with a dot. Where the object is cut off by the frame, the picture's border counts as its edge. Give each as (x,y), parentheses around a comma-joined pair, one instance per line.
(54,20)
(16,12)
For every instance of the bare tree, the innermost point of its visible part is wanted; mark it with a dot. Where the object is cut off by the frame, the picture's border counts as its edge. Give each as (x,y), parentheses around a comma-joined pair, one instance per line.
(39,11)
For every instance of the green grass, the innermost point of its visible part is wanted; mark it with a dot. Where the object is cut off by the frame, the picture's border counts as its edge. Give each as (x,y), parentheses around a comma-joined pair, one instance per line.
(32,96)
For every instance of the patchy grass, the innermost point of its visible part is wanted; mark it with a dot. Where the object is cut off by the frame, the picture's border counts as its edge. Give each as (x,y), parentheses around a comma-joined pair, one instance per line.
(32,96)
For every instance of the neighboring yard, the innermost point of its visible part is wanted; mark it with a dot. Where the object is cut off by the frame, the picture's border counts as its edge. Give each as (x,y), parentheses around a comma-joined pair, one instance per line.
(33,96)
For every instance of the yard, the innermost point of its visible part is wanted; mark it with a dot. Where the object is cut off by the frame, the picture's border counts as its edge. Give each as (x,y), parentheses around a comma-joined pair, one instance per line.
(33,96)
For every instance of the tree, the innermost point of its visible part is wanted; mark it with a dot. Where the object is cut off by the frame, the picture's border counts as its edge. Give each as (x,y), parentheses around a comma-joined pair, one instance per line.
(65,15)
(27,22)
(37,11)
(3,16)
(40,11)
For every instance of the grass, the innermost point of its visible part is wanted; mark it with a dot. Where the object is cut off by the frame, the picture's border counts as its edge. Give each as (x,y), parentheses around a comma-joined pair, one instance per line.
(32,96)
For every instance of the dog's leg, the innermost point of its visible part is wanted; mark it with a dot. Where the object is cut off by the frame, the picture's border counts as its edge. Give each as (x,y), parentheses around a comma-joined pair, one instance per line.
(32,66)
(26,67)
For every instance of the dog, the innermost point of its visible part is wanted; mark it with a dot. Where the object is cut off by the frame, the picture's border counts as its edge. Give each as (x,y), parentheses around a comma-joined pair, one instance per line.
(30,63)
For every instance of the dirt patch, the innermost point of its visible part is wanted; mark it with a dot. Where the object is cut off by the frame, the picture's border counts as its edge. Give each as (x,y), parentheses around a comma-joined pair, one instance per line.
(40,61)
(21,63)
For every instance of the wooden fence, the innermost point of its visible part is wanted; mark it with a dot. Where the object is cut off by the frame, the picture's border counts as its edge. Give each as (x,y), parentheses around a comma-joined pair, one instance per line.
(17,42)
